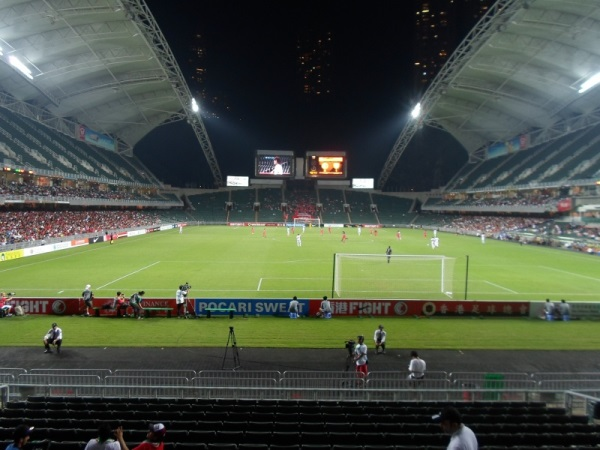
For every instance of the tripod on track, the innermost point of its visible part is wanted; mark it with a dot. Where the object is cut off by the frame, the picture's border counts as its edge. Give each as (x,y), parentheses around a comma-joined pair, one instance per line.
(234,349)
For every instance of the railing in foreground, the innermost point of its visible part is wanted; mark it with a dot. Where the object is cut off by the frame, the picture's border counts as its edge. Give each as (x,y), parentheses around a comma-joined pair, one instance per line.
(345,390)
(580,403)
(297,385)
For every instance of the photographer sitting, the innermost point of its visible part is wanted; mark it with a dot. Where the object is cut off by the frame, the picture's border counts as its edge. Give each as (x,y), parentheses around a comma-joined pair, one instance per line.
(4,307)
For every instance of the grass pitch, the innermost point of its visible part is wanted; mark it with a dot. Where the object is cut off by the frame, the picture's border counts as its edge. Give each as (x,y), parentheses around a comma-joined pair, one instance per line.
(231,262)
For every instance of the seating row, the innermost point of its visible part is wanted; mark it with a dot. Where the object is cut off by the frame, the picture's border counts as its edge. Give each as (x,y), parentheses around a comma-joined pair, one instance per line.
(322,438)
(125,405)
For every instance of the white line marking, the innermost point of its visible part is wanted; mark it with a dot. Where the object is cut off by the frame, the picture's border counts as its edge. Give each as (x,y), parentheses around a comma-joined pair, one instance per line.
(129,274)
(571,273)
(500,287)
(259,283)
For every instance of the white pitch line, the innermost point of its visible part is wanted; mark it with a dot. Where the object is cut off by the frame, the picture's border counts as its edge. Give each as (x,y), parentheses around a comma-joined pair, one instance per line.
(259,283)
(571,273)
(129,274)
(500,287)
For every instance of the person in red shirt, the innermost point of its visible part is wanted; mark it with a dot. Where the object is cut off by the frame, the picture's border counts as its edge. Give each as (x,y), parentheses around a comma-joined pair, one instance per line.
(4,306)
(154,438)
(344,237)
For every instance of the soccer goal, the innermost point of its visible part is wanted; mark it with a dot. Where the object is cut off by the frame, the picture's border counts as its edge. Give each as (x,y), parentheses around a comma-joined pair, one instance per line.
(395,276)
(307,221)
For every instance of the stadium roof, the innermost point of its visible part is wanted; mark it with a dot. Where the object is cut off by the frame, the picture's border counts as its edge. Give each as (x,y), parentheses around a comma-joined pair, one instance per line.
(101,63)
(519,71)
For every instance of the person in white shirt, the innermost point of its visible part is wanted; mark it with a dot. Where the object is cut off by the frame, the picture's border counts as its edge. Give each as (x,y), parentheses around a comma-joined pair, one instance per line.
(461,436)
(180,301)
(416,367)
(105,440)
(293,308)
(379,338)
(360,358)
(299,240)
(325,308)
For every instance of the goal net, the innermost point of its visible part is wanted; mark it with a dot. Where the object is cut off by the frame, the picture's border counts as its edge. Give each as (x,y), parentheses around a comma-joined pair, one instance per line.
(396,276)
(307,221)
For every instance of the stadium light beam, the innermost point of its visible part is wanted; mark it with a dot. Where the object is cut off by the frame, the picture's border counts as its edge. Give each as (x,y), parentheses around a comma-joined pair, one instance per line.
(195,106)
(590,83)
(17,64)
(416,112)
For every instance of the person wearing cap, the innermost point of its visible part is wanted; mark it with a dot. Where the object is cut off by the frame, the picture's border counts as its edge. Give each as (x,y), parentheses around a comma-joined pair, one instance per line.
(360,358)
(88,296)
(105,439)
(54,337)
(379,338)
(461,436)
(154,438)
(20,437)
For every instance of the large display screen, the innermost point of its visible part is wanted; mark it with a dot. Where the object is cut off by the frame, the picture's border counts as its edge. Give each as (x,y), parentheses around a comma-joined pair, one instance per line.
(326,164)
(237,181)
(274,163)
(363,183)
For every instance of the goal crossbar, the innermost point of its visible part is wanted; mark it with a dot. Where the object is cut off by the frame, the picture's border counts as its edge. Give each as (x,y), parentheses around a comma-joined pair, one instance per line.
(392,276)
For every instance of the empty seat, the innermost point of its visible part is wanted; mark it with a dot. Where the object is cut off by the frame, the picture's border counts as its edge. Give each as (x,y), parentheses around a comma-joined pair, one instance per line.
(65,445)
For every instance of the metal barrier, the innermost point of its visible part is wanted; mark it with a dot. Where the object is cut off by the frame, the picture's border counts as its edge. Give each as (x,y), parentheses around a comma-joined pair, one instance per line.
(58,379)
(399,375)
(578,403)
(296,374)
(542,376)
(97,372)
(118,380)
(238,382)
(294,385)
(155,373)
(270,374)
(477,376)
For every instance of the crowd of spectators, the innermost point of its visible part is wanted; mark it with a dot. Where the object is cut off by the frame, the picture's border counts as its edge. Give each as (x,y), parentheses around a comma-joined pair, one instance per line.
(27,226)
(494,225)
(33,190)
(301,202)
(538,199)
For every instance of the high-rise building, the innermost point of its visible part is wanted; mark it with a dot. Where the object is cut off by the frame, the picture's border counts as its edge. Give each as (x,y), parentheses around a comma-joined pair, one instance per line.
(314,63)
(440,26)
(212,104)
(196,61)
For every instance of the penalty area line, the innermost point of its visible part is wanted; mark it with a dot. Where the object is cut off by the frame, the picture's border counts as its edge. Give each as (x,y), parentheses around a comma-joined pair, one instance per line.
(129,274)
(500,287)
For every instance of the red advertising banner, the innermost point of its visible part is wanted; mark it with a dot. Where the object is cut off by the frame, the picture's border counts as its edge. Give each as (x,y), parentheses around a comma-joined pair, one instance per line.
(74,306)
(564,205)
(455,308)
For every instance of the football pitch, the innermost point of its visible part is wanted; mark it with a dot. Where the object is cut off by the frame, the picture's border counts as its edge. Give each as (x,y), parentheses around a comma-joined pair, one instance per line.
(234,262)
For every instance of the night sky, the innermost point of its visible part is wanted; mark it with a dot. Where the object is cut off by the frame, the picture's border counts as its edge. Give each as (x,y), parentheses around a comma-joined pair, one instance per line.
(251,63)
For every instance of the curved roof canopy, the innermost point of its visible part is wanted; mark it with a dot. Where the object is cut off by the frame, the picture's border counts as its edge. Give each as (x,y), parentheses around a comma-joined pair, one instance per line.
(101,63)
(520,70)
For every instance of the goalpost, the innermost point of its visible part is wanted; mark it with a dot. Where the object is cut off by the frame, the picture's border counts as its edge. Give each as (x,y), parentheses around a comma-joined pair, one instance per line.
(307,221)
(396,276)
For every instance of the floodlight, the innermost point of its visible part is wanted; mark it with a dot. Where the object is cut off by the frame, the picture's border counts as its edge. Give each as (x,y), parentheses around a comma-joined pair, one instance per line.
(416,112)
(195,106)
(590,83)
(17,64)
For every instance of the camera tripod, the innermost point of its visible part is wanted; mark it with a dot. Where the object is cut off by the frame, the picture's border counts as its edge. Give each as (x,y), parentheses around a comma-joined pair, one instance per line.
(234,350)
